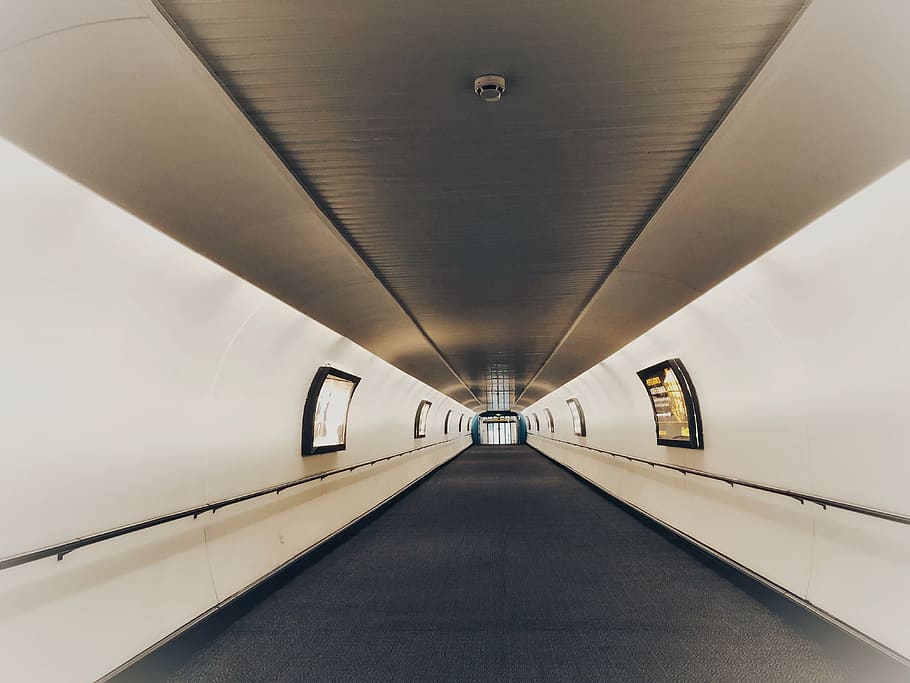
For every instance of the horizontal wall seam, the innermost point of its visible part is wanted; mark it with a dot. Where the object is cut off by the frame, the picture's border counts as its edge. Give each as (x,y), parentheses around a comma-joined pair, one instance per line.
(62,549)
(821,501)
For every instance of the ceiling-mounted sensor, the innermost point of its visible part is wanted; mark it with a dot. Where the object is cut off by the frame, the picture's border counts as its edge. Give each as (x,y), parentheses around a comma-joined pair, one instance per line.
(490,87)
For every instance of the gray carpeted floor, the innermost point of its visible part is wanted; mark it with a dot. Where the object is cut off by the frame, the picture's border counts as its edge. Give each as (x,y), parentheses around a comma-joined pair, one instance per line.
(503,567)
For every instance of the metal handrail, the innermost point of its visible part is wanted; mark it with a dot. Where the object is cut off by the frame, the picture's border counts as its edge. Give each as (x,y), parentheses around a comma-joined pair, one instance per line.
(62,549)
(733,481)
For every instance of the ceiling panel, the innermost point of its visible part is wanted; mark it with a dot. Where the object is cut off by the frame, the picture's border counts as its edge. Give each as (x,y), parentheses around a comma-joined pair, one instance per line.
(493,225)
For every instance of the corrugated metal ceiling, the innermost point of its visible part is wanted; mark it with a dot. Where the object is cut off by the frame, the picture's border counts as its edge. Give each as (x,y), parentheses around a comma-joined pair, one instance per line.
(493,225)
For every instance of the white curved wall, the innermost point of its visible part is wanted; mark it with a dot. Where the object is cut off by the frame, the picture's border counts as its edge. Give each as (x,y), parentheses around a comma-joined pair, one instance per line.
(141,379)
(799,364)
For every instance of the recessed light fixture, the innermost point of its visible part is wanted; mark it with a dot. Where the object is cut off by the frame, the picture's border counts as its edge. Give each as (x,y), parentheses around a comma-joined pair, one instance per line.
(490,87)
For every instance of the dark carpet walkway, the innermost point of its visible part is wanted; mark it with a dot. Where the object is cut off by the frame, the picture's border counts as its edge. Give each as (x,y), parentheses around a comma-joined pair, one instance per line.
(503,567)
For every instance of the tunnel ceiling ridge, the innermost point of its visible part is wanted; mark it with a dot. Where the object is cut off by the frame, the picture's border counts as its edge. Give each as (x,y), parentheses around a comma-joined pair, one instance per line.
(336,156)
(483,219)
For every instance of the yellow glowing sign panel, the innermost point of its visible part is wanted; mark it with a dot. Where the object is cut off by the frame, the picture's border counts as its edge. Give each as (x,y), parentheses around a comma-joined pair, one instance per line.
(675,405)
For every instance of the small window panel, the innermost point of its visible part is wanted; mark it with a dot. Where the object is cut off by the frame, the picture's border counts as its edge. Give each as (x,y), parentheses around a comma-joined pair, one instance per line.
(578,417)
(677,418)
(551,426)
(325,414)
(536,421)
(445,429)
(420,419)
(461,423)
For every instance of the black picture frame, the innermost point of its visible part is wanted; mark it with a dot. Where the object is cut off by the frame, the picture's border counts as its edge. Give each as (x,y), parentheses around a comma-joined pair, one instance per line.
(420,425)
(665,397)
(579,427)
(551,425)
(309,410)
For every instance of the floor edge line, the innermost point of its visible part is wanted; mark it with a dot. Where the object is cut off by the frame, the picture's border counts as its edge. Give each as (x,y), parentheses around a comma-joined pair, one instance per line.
(733,564)
(284,566)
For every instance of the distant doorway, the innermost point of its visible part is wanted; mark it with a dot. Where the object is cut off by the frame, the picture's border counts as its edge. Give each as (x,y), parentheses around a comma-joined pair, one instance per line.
(499,431)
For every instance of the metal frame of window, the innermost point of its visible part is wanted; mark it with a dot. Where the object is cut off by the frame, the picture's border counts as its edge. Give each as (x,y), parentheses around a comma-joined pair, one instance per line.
(696,437)
(423,409)
(309,410)
(579,427)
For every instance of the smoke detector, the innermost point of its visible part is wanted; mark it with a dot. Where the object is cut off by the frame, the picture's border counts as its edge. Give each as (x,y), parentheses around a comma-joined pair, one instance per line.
(490,87)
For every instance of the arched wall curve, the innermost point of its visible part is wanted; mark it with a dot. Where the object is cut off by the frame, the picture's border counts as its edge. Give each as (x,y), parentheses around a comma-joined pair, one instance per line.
(798,361)
(141,379)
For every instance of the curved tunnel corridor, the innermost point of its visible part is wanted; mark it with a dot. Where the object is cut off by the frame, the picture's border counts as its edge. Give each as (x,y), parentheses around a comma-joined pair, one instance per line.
(267,265)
